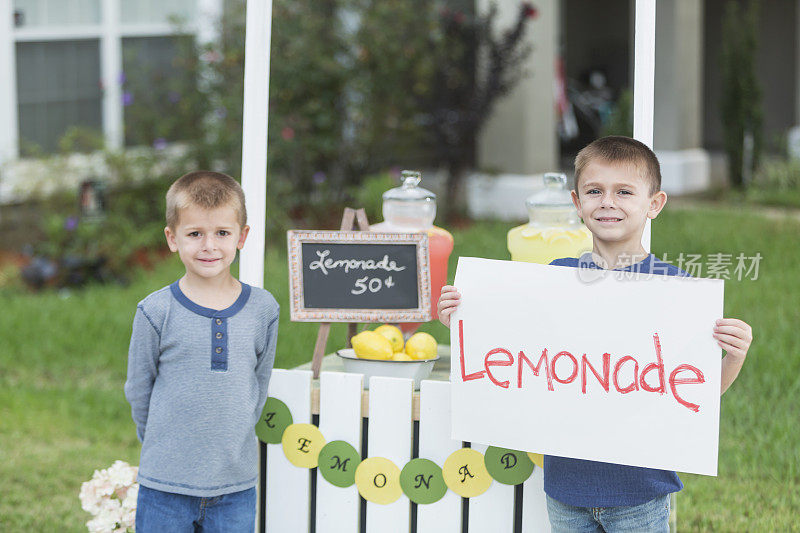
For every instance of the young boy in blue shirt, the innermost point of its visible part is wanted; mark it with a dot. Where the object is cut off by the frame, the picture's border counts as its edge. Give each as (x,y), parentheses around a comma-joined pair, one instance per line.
(199,363)
(617,188)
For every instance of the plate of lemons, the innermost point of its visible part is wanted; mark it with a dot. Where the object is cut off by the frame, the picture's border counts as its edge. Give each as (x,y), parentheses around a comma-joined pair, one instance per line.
(382,352)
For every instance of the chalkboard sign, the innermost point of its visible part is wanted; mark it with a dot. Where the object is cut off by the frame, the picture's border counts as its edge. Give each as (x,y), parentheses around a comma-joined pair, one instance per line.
(359,276)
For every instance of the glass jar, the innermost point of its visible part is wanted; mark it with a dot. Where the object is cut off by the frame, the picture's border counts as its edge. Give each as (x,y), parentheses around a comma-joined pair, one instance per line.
(554,229)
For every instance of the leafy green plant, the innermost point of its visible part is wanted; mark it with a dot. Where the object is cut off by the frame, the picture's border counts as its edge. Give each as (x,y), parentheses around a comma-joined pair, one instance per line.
(620,121)
(369,194)
(432,52)
(742,113)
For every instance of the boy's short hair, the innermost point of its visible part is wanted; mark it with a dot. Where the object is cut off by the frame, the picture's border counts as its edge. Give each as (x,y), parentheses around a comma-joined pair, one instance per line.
(205,189)
(619,149)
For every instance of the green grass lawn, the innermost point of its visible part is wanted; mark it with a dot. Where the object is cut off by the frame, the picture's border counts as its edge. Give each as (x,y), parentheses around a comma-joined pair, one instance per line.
(63,362)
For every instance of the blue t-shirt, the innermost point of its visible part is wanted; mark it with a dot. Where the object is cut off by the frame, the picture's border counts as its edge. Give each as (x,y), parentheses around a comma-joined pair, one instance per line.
(594,484)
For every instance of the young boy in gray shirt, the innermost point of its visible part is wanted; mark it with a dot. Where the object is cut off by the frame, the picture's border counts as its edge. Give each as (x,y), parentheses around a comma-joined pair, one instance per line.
(200,359)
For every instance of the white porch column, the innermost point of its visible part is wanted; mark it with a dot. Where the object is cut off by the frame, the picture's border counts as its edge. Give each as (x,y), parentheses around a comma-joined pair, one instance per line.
(110,71)
(678,131)
(679,63)
(258,37)
(520,137)
(644,46)
(9,125)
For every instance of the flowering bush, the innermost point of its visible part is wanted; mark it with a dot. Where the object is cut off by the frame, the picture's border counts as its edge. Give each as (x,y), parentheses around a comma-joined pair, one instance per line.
(110,496)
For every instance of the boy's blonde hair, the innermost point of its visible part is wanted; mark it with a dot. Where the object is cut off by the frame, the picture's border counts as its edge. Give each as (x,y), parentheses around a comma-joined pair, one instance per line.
(620,150)
(205,189)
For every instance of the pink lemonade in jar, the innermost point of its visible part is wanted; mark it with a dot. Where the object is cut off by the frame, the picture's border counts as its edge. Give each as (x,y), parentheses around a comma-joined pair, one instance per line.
(412,209)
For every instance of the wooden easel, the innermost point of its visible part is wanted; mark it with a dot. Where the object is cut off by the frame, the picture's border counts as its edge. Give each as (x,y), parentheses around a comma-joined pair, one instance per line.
(349,219)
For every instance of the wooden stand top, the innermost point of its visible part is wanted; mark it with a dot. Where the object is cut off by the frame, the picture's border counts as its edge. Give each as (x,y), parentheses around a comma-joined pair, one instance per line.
(333,363)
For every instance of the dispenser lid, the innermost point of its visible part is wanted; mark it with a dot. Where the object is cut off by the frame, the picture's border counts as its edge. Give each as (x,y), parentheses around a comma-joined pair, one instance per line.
(554,194)
(410,191)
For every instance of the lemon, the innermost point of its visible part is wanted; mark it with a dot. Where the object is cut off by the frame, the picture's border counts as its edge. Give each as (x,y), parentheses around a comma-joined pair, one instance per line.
(394,335)
(371,345)
(401,356)
(421,346)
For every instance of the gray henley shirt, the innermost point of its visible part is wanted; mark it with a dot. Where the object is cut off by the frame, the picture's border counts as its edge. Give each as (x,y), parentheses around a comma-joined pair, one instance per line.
(197,382)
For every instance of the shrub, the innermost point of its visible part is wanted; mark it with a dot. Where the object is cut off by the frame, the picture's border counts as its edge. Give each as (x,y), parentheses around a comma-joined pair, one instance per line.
(742,115)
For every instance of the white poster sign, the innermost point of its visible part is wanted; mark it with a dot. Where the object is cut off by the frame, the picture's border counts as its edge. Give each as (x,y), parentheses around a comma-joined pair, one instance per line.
(608,366)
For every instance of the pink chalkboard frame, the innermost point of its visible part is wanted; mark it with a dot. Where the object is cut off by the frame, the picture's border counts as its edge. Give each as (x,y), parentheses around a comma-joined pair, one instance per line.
(299,313)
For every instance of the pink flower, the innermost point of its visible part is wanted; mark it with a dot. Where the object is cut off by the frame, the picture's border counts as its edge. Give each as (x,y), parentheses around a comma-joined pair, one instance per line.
(287,133)
(212,56)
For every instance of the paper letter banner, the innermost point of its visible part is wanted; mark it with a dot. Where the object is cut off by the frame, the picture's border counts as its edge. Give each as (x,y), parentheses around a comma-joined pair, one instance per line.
(615,367)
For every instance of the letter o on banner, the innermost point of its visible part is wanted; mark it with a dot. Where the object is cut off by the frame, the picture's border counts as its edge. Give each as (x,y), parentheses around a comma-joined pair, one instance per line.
(378,480)
(422,481)
(509,467)
(302,444)
(338,461)
(465,473)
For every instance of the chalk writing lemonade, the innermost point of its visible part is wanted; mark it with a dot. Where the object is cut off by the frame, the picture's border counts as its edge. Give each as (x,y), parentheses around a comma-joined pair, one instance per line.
(325,263)
(554,229)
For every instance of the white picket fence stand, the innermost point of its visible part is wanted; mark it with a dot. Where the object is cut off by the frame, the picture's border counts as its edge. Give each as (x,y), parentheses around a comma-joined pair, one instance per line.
(296,502)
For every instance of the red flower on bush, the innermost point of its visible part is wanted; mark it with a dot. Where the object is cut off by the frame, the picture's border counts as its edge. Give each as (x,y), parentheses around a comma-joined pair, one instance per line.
(529,10)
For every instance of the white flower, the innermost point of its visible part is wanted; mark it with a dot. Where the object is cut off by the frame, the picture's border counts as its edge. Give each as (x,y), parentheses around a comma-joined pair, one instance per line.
(121,474)
(90,501)
(129,519)
(130,498)
(111,497)
(102,483)
(101,524)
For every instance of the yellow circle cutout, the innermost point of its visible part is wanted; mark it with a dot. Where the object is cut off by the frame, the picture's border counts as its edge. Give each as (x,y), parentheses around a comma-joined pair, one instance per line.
(465,473)
(537,458)
(378,480)
(301,444)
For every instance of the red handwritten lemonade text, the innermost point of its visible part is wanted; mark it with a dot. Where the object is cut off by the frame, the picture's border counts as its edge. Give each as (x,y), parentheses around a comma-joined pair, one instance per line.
(606,377)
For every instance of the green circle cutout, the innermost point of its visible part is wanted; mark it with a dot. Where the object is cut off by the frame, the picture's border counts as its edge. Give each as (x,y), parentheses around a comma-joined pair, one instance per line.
(422,481)
(274,419)
(509,467)
(337,463)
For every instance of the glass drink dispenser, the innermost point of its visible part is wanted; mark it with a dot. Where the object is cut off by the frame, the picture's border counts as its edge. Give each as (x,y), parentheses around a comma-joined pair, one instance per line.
(554,229)
(411,209)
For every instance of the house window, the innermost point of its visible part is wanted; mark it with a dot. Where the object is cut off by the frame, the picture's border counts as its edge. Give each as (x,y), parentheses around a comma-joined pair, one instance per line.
(58,86)
(39,13)
(156,11)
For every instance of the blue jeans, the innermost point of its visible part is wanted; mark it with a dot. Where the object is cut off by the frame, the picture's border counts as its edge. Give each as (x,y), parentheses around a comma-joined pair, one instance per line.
(158,511)
(650,517)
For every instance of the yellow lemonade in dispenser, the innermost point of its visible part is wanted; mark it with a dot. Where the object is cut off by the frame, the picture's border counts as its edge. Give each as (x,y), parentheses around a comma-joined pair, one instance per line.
(554,229)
